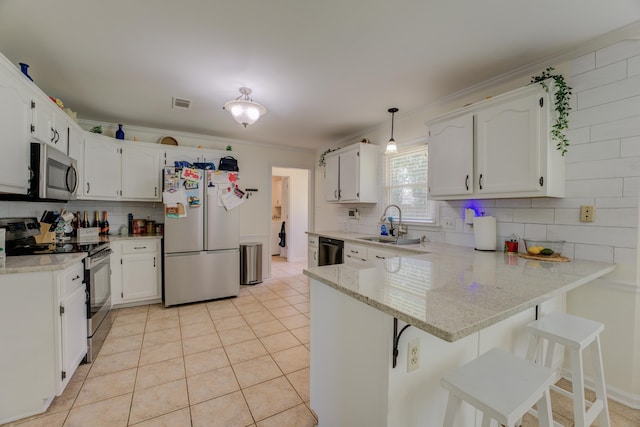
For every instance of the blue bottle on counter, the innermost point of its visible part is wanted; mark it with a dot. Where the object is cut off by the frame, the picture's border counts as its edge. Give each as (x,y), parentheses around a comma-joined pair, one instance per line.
(383,230)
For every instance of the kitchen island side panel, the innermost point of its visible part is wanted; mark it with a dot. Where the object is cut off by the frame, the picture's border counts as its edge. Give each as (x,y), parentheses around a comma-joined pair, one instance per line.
(350,360)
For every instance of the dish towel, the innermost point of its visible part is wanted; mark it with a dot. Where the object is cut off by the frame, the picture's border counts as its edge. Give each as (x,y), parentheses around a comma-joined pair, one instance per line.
(283,236)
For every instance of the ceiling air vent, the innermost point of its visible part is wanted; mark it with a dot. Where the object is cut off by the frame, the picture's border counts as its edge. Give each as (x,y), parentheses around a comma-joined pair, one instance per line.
(180,103)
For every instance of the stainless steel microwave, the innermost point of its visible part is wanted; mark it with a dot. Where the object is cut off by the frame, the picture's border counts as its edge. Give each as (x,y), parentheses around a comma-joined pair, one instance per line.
(54,175)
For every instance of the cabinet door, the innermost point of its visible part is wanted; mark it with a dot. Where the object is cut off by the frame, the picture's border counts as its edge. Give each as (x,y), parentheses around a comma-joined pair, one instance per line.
(14,134)
(349,176)
(332,179)
(74,333)
(140,173)
(76,151)
(312,257)
(42,121)
(508,138)
(101,168)
(140,277)
(451,157)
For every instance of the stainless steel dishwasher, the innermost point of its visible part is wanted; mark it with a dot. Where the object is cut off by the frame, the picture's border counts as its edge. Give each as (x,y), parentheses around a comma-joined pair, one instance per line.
(330,251)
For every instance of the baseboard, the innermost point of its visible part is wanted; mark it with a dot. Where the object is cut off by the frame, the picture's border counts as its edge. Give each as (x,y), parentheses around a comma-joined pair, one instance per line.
(613,393)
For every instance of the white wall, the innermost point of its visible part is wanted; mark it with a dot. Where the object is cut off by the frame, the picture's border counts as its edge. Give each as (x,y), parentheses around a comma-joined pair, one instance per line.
(603,170)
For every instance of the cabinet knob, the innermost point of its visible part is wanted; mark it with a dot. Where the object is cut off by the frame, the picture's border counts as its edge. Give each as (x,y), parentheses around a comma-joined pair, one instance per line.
(480,181)
(75,278)
(88,187)
(466,182)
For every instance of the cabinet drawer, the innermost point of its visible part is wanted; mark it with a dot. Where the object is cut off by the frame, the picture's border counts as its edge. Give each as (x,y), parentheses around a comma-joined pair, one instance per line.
(139,246)
(354,252)
(72,278)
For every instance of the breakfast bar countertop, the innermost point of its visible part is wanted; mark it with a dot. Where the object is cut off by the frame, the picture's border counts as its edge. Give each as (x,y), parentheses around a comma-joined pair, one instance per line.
(453,291)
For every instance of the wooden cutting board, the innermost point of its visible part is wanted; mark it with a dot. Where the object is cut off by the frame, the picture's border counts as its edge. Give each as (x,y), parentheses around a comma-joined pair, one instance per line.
(545,258)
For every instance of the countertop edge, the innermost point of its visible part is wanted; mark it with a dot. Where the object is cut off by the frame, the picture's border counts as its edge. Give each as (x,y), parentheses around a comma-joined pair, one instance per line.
(60,262)
(451,336)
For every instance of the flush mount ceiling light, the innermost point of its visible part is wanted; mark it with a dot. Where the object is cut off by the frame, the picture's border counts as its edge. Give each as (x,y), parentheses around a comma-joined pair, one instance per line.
(243,109)
(392,147)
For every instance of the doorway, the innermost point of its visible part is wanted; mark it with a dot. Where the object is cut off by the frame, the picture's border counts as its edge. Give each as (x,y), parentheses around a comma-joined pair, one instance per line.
(289,211)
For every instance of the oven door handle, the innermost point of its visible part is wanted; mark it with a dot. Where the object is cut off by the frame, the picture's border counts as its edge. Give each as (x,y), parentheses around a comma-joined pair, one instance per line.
(102,256)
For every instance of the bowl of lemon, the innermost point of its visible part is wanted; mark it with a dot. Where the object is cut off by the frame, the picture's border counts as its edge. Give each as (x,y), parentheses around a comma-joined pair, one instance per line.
(544,248)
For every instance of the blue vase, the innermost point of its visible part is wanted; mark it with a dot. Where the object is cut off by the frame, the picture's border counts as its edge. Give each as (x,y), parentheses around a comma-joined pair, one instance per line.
(119,133)
(25,70)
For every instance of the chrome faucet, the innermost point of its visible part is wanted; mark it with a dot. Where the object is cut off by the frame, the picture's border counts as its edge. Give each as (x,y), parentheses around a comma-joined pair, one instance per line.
(402,229)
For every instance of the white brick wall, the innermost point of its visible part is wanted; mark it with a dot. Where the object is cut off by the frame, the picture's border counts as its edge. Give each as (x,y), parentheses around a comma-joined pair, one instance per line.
(603,168)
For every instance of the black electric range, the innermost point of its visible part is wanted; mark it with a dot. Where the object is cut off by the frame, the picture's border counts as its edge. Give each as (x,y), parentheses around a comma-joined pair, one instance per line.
(20,240)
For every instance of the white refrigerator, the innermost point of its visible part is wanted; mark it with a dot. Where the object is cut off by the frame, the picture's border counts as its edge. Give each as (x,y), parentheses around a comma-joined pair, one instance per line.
(201,250)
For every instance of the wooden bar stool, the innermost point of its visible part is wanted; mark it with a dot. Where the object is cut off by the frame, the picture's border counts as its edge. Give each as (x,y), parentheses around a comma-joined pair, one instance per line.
(501,385)
(575,334)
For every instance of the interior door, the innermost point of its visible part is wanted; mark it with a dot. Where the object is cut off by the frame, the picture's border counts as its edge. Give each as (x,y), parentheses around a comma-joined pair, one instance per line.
(285,215)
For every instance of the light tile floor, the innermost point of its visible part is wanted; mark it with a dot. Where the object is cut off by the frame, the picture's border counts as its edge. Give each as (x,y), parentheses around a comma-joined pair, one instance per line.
(234,362)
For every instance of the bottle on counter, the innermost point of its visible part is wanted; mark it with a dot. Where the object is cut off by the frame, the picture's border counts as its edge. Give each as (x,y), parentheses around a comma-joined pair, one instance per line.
(96,219)
(105,224)
(130,216)
(85,221)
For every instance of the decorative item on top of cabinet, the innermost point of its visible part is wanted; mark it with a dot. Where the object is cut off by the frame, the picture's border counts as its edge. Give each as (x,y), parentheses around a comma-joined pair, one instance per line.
(119,132)
(351,174)
(497,148)
(562,97)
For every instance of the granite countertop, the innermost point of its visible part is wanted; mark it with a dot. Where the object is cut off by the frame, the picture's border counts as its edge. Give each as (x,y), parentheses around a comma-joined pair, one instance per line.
(454,291)
(35,263)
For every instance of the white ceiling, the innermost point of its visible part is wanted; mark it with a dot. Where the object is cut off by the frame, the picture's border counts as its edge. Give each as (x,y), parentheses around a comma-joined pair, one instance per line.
(325,70)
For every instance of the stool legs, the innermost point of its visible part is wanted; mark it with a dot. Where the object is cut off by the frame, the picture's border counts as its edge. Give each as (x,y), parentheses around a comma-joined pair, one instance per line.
(576,335)
(453,404)
(598,372)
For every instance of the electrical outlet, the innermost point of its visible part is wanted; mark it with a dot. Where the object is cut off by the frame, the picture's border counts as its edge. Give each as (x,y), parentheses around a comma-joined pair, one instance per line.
(448,223)
(413,355)
(587,213)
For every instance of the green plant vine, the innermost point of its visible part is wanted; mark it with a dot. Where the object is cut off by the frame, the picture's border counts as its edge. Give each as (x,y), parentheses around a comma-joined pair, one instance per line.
(322,161)
(562,96)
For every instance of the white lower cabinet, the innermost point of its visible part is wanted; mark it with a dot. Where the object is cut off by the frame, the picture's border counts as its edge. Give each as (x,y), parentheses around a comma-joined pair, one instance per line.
(312,256)
(73,323)
(136,271)
(46,337)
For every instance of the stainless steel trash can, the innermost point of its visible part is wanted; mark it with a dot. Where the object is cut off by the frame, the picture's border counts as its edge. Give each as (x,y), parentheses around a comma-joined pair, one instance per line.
(250,263)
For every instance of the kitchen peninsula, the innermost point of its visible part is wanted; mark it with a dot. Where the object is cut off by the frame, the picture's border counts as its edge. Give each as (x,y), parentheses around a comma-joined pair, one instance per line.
(459,303)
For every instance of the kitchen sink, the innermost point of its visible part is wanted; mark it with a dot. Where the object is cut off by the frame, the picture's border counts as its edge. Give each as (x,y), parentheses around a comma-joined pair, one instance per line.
(391,240)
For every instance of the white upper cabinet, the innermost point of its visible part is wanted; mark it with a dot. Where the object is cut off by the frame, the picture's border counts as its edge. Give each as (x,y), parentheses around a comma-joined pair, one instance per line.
(351,174)
(14,133)
(114,170)
(102,165)
(451,157)
(509,154)
(141,173)
(48,123)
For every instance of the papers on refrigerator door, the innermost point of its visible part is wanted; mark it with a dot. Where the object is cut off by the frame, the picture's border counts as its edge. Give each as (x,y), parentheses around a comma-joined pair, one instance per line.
(175,203)
(232,199)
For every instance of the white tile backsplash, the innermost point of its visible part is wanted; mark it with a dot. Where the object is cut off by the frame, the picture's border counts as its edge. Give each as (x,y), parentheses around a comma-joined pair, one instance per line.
(594,151)
(598,77)
(633,67)
(612,92)
(583,64)
(617,52)
(611,187)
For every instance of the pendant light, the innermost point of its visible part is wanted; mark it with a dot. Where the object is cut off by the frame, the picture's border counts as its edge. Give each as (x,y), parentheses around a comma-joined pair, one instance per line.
(392,147)
(243,109)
